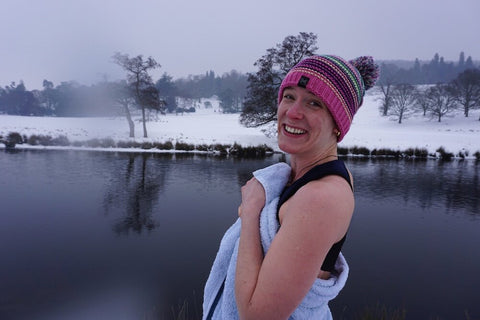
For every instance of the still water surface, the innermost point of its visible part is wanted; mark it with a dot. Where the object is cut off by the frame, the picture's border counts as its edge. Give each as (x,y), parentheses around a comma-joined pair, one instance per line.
(92,235)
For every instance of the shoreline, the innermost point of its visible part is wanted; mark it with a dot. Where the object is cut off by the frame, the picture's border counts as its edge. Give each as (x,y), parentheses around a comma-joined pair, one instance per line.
(238,150)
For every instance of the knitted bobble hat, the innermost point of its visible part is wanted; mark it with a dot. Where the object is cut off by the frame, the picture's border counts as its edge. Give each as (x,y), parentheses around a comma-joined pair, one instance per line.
(340,84)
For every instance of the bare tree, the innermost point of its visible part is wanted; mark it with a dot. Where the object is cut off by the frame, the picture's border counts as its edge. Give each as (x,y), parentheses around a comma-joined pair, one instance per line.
(143,88)
(385,85)
(421,101)
(122,96)
(440,100)
(403,98)
(466,90)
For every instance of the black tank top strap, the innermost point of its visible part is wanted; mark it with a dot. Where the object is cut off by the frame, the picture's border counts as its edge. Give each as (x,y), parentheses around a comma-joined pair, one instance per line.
(335,167)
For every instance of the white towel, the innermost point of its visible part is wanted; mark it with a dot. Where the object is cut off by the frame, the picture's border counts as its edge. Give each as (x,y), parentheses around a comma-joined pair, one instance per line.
(314,305)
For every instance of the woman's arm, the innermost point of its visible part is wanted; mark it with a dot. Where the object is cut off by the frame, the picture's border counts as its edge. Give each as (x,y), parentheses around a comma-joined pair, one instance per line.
(316,217)
(250,252)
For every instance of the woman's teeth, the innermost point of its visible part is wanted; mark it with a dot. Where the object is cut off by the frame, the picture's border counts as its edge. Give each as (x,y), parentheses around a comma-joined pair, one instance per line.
(294,130)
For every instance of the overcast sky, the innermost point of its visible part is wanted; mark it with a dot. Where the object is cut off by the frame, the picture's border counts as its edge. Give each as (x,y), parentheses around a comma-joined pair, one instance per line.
(63,40)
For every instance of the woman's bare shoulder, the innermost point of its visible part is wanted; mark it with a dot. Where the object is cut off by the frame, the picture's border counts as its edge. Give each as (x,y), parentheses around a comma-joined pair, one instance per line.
(326,202)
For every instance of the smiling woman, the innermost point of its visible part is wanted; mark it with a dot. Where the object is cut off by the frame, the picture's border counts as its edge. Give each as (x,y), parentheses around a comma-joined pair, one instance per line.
(281,259)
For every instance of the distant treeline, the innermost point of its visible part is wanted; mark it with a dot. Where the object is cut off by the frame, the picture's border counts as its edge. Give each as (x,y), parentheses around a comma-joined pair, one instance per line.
(71,99)
(417,72)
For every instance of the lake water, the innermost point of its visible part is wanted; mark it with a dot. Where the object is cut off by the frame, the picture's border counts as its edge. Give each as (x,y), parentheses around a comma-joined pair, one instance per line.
(99,235)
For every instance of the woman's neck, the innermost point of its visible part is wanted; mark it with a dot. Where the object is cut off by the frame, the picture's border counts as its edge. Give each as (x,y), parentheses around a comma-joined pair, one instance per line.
(301,165)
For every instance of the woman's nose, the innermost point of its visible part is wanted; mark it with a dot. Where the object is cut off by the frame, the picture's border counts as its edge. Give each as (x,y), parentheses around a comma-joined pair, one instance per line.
(295,110)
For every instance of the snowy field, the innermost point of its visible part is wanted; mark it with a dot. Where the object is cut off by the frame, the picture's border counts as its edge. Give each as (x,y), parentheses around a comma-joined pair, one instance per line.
(208,126)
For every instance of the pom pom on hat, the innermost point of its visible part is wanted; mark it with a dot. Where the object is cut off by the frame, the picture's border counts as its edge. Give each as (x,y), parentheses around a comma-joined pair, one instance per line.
(368,70)
(340,84)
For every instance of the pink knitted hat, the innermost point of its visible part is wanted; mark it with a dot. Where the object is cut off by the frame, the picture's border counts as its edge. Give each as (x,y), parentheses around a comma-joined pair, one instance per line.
(341,85)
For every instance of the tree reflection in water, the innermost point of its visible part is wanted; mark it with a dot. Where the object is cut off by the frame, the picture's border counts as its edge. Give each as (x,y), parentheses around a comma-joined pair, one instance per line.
(135,192)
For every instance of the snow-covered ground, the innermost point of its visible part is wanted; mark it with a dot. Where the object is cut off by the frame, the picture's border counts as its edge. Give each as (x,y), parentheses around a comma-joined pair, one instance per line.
(208,126)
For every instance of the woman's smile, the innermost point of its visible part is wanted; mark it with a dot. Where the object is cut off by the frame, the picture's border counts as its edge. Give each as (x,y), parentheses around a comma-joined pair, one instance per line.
(293,130)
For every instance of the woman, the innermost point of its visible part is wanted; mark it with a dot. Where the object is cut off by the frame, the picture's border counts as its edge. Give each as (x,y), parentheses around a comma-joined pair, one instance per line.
(282,259)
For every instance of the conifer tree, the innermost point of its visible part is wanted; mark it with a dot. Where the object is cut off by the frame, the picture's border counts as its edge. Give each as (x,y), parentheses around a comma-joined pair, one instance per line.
(261,100)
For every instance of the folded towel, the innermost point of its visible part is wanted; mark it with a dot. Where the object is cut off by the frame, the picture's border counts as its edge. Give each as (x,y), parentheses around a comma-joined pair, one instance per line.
(222,275)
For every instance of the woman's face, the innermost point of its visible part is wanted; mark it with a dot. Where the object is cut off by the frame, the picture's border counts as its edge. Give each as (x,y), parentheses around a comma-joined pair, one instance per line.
(305,125)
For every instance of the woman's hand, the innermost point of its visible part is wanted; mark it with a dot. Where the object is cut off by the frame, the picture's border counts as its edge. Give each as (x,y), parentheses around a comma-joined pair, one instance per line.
(253,199)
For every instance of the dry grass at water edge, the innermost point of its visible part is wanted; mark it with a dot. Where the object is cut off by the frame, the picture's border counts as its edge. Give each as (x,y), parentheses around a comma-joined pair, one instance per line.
(14,138)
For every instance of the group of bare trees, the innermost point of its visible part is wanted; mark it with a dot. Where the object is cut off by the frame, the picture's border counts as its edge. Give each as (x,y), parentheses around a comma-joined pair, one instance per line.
(400,100)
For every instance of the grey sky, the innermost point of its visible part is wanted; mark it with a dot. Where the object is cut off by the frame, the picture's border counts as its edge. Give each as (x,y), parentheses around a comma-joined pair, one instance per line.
(62,40)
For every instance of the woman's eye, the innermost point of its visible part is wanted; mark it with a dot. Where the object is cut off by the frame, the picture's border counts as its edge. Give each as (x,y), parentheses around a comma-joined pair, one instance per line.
(288,96)
(316,104)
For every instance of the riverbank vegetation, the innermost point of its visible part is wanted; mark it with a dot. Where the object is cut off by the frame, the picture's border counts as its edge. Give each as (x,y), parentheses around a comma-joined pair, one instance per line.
(38,140)
(14,138)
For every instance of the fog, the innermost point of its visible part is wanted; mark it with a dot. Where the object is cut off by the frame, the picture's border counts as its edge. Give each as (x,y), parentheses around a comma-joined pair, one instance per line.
(63,40)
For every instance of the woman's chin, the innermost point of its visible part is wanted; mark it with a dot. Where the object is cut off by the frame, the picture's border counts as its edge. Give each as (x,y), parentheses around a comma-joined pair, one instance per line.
(287,147)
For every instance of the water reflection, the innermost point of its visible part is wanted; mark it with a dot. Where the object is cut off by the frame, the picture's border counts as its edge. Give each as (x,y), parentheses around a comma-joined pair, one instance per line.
(133,192)
(425,183)
(415,222)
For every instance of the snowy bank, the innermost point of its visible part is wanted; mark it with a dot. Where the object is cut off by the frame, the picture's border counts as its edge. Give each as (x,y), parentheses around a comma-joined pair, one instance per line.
(208,126)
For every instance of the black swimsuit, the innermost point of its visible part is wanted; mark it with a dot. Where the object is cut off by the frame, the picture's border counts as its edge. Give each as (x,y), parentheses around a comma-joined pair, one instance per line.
(336,167)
